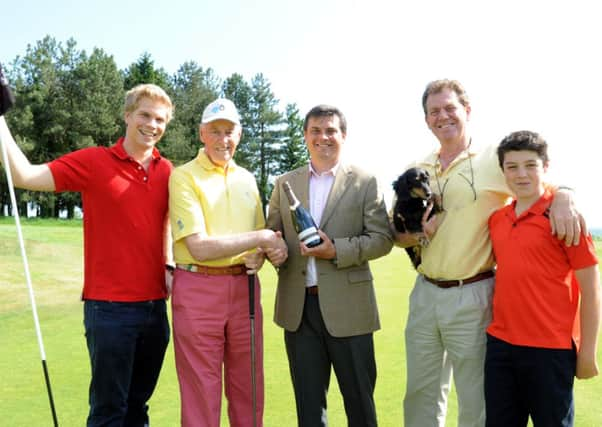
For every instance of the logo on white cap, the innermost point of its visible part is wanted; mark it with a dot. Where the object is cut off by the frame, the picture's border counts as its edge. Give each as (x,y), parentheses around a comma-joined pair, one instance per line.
(221,108)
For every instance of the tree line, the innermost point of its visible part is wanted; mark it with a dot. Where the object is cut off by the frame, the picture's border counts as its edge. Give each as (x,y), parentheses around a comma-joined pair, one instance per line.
(68,99)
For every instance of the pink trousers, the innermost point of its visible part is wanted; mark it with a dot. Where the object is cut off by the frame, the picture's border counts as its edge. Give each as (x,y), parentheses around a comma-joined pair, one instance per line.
(211,329)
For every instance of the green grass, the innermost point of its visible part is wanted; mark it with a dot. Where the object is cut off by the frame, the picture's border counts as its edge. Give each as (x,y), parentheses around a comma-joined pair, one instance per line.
(55,256)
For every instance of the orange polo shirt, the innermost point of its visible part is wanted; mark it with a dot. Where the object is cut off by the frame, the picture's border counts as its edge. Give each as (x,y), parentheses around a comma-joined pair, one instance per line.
(536,297)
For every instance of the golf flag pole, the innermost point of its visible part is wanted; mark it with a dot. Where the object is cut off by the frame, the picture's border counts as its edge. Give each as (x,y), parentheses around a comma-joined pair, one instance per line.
(6,101)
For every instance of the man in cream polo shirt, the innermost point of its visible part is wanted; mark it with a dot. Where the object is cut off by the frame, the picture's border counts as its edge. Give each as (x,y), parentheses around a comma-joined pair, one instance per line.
(218,227)
(450,304)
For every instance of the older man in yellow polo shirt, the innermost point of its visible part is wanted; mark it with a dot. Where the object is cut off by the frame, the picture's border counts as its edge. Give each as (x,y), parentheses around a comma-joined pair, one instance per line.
(217,223)
(450,305)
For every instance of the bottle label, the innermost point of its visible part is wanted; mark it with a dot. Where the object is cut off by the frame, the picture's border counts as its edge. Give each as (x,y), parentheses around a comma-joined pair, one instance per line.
(309,236)
(311,239)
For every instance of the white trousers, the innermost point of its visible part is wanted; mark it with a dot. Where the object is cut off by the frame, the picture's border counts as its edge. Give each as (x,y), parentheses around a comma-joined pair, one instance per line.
(446,329)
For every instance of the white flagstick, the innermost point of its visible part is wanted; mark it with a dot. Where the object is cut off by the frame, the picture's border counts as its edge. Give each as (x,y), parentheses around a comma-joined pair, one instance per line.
(13,200)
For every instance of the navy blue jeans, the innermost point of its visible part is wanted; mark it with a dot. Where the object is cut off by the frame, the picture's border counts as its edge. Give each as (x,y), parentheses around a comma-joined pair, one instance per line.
(528,381)
(126,344)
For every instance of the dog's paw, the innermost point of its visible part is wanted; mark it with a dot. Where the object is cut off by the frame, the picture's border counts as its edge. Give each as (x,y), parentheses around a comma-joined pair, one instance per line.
(424,241)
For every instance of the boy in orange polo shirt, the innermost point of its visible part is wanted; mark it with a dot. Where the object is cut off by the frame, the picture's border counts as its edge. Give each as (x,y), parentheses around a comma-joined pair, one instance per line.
(546,304)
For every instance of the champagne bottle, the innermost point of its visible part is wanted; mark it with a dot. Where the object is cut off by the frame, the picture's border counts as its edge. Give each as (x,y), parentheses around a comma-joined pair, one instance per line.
(302,221)
(6,96)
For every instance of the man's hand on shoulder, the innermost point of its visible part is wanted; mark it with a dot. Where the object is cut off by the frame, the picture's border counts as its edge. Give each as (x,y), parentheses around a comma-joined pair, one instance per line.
(567,223)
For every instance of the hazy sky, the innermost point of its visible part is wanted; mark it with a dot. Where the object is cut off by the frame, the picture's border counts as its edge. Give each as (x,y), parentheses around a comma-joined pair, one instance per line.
(526,64)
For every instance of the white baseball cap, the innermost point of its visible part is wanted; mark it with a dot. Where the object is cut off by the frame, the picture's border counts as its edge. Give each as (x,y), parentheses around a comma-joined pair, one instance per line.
(221,108)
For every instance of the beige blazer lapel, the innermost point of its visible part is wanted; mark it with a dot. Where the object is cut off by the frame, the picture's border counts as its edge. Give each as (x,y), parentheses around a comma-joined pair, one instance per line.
(299,182)
(336,192)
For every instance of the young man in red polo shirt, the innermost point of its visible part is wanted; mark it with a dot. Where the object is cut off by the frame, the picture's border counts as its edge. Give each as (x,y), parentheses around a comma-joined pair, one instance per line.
(124,195)
(546,304)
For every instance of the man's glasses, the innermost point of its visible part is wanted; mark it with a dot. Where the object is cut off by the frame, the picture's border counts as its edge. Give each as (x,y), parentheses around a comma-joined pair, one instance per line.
(469,181)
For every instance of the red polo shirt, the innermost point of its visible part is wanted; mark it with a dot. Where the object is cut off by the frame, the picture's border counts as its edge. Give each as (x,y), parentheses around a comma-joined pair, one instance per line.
(125,209)
(536,297)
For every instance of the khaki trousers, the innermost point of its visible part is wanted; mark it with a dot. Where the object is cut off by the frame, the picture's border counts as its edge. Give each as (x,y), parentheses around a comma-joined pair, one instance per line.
(446,327)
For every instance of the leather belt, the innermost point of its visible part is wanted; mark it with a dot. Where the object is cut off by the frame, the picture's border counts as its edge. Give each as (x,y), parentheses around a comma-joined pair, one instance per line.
(311,290)
(445,284)
(230,270)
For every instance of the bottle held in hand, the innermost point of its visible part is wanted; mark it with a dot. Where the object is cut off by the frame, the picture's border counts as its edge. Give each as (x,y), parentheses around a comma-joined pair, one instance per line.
(6,96)
(302,220)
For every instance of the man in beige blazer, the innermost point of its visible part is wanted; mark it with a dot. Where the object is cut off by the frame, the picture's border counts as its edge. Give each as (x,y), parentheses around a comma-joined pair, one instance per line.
(325,299)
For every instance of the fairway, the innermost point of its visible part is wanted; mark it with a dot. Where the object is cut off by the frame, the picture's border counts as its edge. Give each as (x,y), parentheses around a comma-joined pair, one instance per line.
(55,257)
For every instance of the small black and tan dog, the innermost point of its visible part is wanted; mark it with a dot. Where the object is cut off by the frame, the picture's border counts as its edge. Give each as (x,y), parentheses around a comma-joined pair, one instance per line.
(413,195)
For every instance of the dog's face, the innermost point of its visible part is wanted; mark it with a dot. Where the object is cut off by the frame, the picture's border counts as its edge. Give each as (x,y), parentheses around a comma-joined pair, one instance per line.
(413,183)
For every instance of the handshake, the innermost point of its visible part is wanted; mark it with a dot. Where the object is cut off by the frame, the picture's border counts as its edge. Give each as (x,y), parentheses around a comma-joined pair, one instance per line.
(7,98)
(270,244)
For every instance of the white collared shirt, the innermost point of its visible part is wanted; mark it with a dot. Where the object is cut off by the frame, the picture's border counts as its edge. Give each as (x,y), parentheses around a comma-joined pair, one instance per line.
(319,189)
